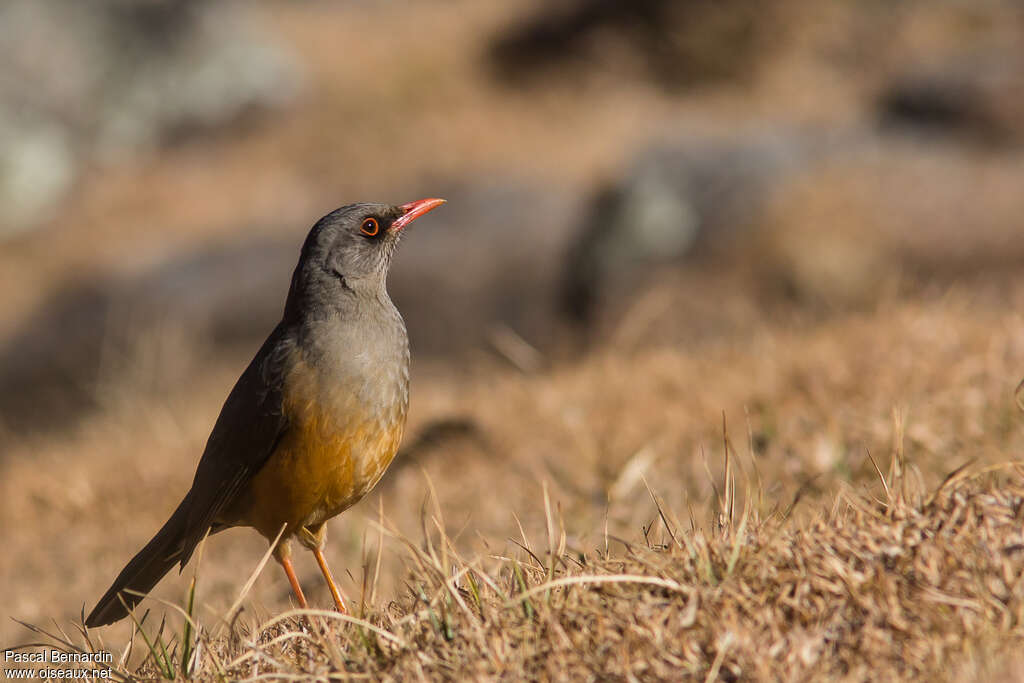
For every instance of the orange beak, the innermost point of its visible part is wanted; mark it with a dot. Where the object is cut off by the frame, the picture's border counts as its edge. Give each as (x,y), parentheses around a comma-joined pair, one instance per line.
(414,210)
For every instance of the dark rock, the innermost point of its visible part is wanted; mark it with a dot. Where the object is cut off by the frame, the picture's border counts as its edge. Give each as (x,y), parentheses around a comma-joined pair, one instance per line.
(146,331)
(492,256)
(678,42)
(675,198)
(980,97)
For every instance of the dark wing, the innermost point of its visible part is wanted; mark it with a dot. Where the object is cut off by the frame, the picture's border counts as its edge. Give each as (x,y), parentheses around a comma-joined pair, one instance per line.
(247,431)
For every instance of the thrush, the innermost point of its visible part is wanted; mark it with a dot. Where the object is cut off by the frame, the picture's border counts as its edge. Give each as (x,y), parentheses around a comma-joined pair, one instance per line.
(314,420)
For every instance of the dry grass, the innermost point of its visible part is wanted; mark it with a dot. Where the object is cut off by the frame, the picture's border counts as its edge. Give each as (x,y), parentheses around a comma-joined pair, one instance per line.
(529,545)
(913,585)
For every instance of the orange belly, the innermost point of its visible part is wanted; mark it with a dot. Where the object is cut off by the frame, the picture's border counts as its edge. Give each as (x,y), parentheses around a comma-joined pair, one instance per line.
(334,452)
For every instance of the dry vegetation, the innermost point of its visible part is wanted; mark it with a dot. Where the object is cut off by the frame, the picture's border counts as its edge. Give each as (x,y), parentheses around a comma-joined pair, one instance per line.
(744,479)
(587,522)
(909,586)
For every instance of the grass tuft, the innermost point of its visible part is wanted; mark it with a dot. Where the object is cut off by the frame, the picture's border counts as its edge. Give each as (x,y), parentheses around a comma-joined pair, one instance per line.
(870,588)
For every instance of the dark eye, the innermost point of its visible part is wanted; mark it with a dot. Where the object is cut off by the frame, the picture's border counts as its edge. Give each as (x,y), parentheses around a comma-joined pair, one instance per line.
(370,227)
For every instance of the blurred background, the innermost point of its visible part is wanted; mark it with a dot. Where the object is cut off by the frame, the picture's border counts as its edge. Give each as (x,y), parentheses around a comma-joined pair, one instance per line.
(654,205)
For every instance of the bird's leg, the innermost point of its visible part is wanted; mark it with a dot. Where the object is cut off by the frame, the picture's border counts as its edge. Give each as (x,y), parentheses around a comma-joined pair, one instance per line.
(283,554)
(314,540)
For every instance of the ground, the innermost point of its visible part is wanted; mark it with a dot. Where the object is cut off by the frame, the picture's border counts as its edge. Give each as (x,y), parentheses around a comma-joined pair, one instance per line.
(746,475)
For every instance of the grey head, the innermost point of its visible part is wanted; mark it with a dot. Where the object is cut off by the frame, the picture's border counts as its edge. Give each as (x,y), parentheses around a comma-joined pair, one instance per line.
(347,255)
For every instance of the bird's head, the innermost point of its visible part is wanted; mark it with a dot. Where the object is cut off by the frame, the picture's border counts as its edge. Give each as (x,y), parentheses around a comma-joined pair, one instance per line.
(349,250)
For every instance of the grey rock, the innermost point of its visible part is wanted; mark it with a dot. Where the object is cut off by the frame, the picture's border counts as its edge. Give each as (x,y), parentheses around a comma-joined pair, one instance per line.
(101,81)
(147,332)
(37,165)
(675,197)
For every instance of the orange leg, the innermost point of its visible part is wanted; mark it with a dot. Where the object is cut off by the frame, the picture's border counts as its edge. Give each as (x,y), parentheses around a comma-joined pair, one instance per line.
(286,562)
(335,593)
(314,538)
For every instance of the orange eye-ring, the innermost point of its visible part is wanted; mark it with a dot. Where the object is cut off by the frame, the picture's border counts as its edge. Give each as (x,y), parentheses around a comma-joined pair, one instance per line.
(370,227)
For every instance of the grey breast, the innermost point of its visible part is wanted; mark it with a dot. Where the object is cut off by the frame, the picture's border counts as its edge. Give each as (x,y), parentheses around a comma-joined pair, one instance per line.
(362,354)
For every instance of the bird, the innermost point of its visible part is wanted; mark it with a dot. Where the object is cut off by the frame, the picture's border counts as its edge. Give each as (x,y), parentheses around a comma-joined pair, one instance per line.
(313,421)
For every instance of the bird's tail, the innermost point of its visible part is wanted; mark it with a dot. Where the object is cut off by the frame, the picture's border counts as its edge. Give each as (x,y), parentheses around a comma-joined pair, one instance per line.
(144,571)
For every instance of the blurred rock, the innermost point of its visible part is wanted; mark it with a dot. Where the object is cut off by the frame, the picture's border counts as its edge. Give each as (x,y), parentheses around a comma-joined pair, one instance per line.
(491,259)
(674,198)
(676,42)
(37,166)
(980,96)
(145,332)
(100,81)
(887,215)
